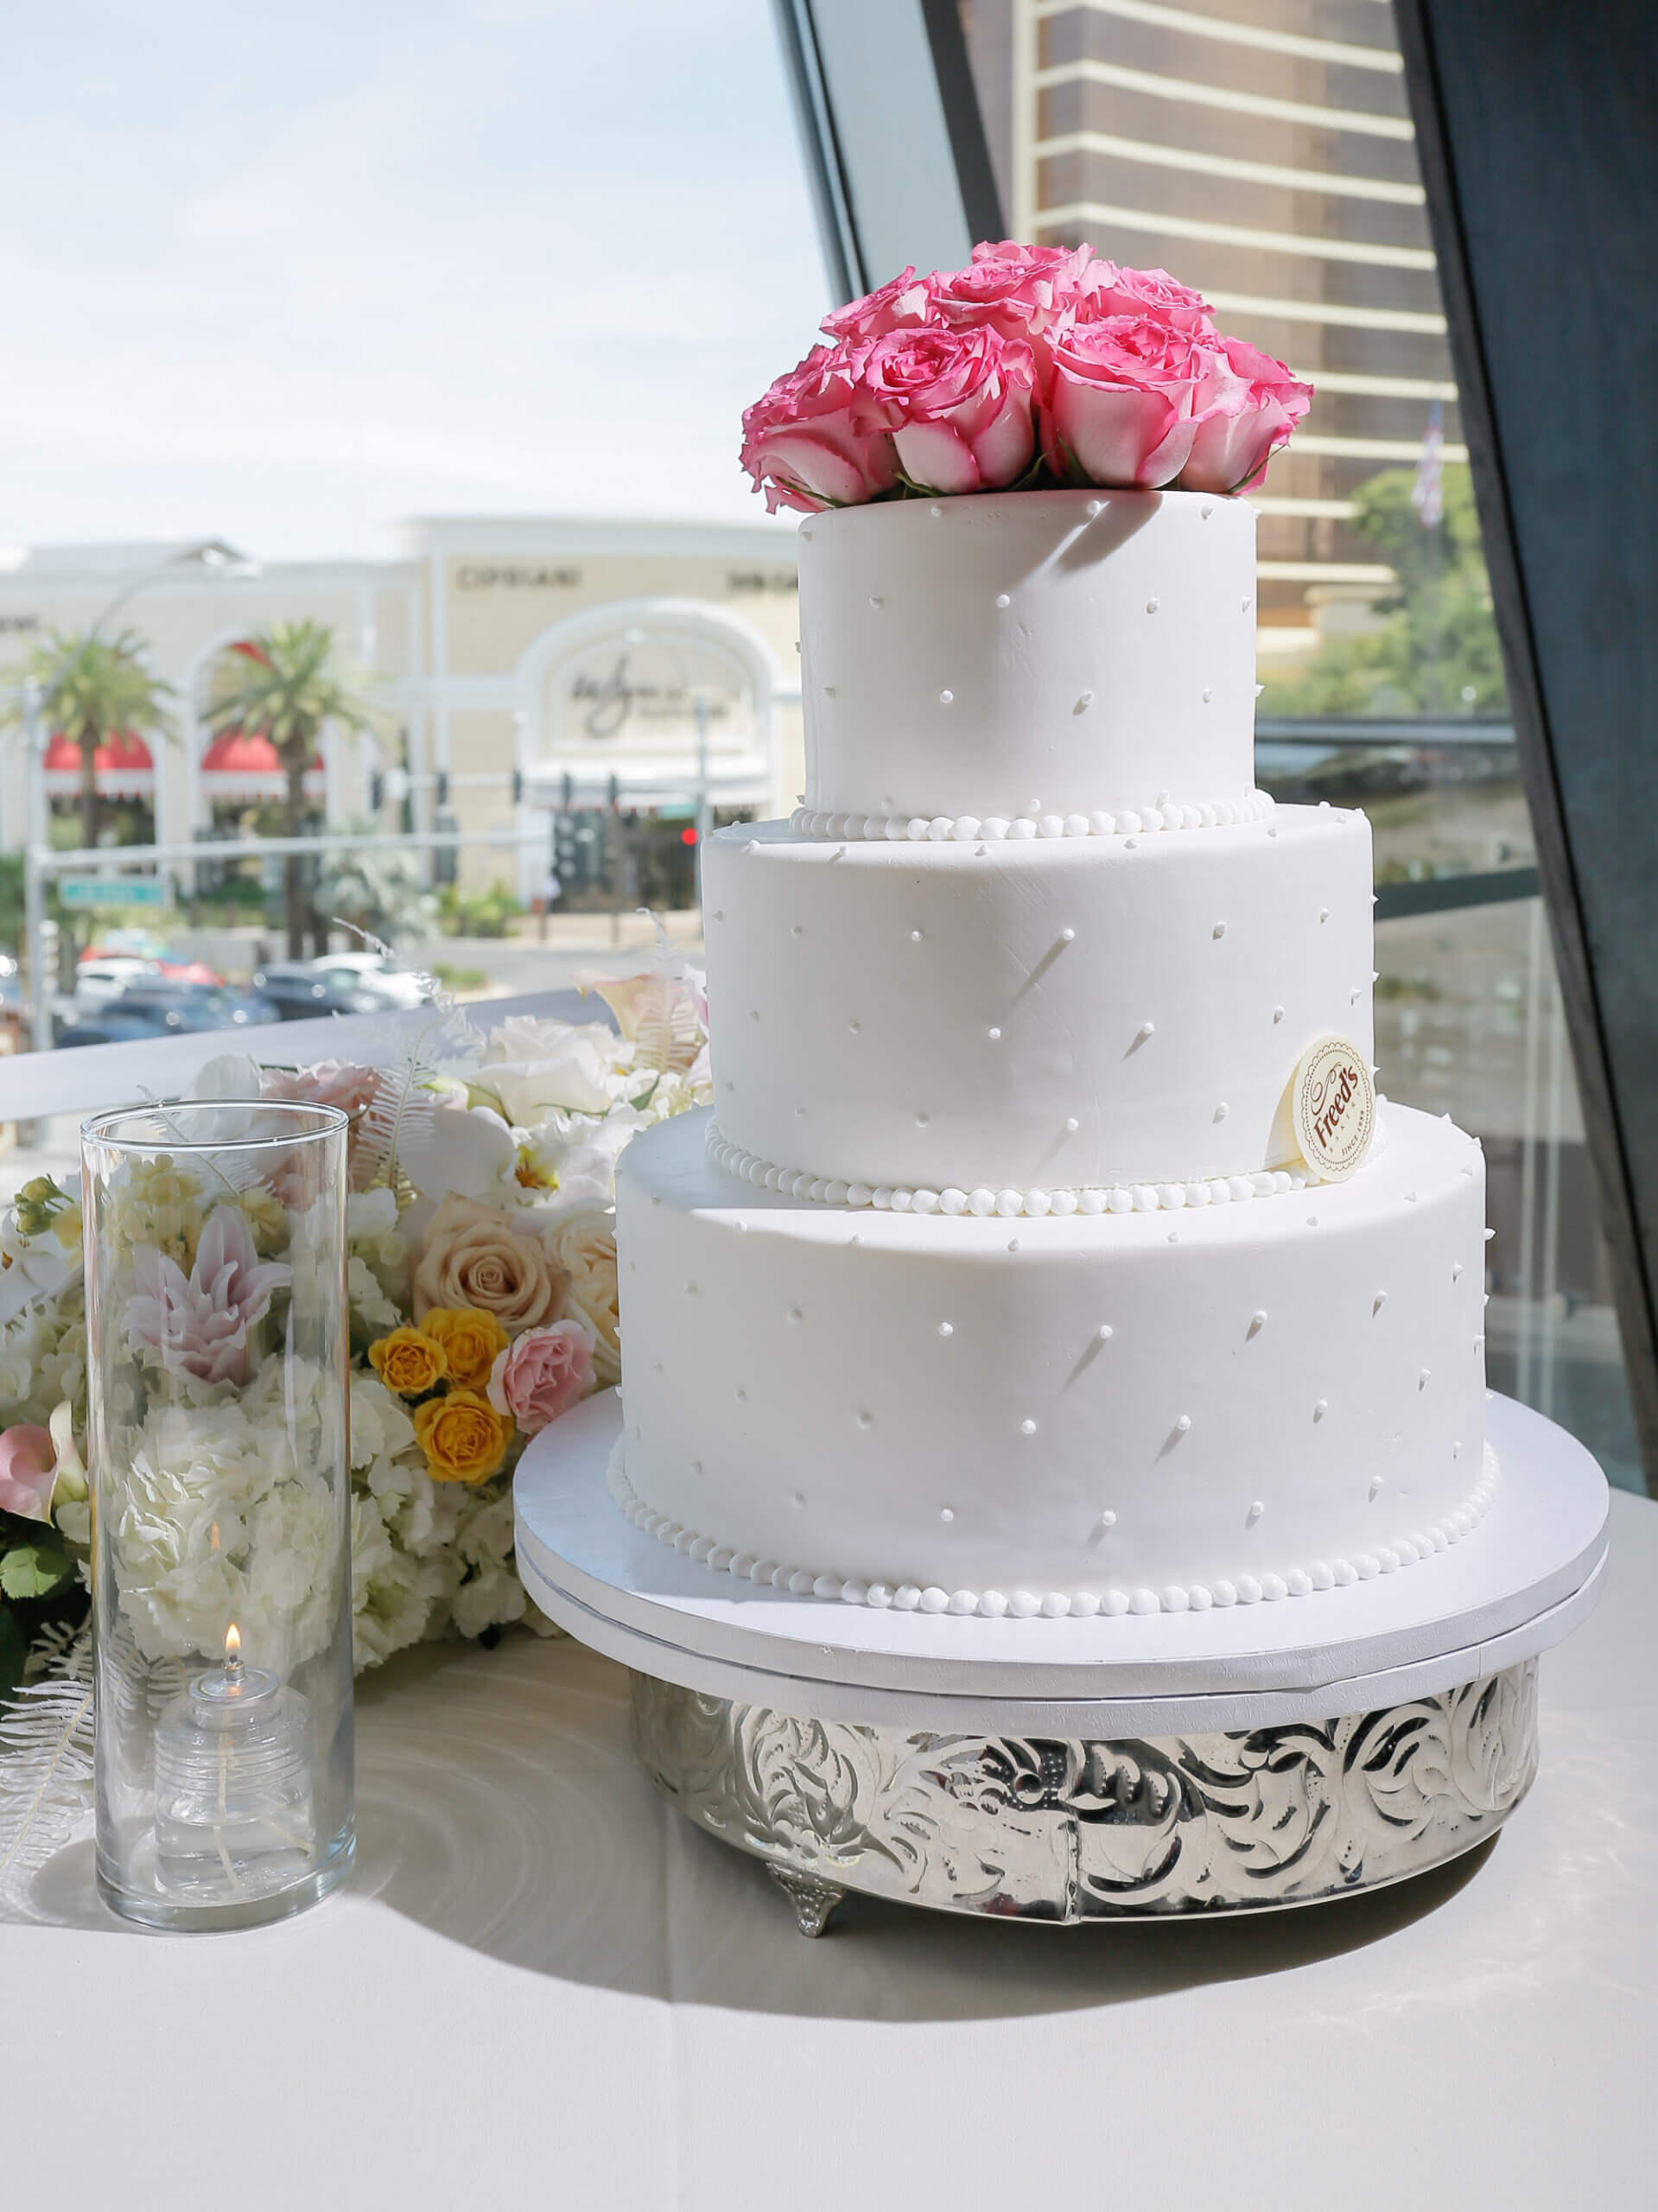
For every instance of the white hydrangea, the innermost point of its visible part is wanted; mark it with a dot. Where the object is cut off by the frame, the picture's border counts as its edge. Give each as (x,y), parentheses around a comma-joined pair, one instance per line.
(486,1592)
(212,1520)
(367,1299)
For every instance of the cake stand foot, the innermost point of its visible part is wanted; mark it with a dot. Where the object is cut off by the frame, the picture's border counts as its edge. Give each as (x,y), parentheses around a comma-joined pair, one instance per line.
(814,1901)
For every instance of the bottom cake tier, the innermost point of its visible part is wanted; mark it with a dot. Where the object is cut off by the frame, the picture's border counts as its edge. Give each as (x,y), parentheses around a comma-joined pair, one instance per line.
(1105,1412)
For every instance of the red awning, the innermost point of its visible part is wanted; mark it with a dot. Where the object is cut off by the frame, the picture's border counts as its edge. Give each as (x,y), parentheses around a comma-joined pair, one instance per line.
(244,764)
(122,766)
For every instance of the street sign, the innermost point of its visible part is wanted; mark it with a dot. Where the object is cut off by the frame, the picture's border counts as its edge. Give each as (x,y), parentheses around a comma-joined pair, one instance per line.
(113,891)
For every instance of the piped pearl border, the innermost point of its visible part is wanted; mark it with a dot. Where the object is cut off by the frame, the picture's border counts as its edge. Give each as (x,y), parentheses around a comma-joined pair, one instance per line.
(970,828)
(1119,1197)
(1056,1605)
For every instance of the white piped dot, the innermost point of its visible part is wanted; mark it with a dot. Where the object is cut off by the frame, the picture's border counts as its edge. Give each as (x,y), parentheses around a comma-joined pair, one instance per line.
(1071,1125)
(1219,930)
(1027,1427)
(1003,601)
(947,1328)
(946,698)
(1183,1425)
(1152,606)
(1321,1408)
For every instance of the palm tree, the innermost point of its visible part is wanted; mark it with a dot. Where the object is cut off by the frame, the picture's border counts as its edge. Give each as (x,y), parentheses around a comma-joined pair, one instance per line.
(93,689)
(285,685)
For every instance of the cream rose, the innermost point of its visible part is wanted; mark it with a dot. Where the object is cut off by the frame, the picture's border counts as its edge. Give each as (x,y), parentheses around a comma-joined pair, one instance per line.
(476,1256)
(583,1249)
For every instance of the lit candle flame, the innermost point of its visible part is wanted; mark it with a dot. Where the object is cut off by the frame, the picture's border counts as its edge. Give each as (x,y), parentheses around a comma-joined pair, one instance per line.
(233,1645)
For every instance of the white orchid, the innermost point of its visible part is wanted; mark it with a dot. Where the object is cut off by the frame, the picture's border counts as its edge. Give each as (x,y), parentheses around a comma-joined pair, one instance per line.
(466,1149)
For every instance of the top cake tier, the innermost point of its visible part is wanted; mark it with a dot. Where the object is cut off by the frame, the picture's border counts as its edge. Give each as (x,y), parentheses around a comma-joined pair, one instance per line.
(1032,653)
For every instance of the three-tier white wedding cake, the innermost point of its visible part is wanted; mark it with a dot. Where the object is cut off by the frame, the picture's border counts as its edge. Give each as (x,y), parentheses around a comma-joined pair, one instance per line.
(997,1280)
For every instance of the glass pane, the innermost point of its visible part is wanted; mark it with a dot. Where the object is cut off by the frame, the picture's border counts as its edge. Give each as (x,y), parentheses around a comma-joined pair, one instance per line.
(1262,151)
(432,328)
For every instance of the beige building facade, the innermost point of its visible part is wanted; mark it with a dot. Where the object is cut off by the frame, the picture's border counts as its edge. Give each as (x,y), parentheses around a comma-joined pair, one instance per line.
(521,666)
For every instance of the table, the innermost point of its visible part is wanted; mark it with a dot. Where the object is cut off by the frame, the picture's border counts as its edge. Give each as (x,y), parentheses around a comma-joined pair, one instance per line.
(543,1986)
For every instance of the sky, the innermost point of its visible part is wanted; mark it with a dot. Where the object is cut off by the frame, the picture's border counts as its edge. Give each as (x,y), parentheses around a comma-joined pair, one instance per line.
(286,276)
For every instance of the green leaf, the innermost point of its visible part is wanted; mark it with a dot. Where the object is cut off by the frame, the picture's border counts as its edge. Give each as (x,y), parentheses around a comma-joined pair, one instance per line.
(35,1570)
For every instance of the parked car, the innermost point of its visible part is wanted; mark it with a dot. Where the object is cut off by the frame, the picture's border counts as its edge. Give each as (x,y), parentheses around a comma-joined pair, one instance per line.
(153,1006)
(300,991)
(102,1025)
(178,1009)
(98,981)
(375,968)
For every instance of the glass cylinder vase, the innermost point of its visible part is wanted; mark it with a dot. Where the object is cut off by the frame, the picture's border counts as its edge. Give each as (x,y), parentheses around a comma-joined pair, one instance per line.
(217,1362)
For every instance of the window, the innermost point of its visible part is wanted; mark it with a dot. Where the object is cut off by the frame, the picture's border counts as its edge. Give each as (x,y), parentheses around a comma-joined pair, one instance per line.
(1263,151)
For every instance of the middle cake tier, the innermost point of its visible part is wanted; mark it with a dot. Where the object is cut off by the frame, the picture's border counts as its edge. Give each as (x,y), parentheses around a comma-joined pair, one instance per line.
(1056,1014)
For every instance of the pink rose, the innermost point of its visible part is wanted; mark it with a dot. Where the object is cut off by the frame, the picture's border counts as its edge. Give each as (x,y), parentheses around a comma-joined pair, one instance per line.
(546,1370)
(28,1462)
(1106,290)
(958,404)
(1121,403)
(1020,290)
(899,305)
(800,444)
(330,1082)
(1246,410)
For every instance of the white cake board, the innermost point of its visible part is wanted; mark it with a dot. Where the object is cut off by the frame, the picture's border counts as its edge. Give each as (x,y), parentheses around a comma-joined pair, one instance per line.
(1520,1583)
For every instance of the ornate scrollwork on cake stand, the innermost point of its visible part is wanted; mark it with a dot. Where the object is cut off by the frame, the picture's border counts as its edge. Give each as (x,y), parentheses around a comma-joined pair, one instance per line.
(1069,1770)
(1067,1829)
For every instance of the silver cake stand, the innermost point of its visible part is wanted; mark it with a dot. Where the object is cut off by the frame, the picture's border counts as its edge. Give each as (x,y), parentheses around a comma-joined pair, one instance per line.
(1072,1770)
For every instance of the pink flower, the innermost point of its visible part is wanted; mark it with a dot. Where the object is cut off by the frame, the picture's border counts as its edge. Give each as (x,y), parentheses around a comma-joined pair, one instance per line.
(29,1461)
(958,404)
(800,444)
(1106,290)
(198,1326)
(1246,409)
(899,305)
(1121,403)
(1020,290)
(330,1082)
(543,1372)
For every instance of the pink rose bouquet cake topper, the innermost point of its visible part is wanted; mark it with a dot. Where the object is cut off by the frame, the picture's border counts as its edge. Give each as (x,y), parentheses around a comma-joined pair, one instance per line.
(1033,367)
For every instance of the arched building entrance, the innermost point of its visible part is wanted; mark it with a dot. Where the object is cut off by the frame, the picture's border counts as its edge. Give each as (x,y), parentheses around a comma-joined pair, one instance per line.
(641,712)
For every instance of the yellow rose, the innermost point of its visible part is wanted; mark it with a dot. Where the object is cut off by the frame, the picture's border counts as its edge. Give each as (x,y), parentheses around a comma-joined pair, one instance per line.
(583,1248)
(408,1363)
(464,1439)
(471,1340)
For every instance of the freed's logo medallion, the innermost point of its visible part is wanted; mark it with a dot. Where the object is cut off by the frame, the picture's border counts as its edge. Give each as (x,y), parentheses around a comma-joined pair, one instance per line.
(1333,1107)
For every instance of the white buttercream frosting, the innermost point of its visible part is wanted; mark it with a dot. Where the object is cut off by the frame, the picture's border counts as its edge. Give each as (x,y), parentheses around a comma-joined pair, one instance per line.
(1113,1601)
(1054,1015)
(1099,1408)
(1035,654)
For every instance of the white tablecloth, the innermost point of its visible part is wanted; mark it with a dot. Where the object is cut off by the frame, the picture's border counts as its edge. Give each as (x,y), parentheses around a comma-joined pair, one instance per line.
(542,1986)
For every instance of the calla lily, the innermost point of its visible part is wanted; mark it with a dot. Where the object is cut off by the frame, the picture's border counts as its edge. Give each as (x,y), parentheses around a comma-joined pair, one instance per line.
(28,1472)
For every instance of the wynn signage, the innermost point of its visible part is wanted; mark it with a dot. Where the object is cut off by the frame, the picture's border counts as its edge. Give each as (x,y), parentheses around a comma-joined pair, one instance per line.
(640,694)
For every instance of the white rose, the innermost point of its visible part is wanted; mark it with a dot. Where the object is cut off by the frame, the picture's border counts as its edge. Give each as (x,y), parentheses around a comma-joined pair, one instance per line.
(582,1246)
(537,1067)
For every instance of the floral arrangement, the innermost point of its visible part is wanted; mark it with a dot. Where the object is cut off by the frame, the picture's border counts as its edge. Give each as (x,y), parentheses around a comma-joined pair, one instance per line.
(481,1289)
(1034,367)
